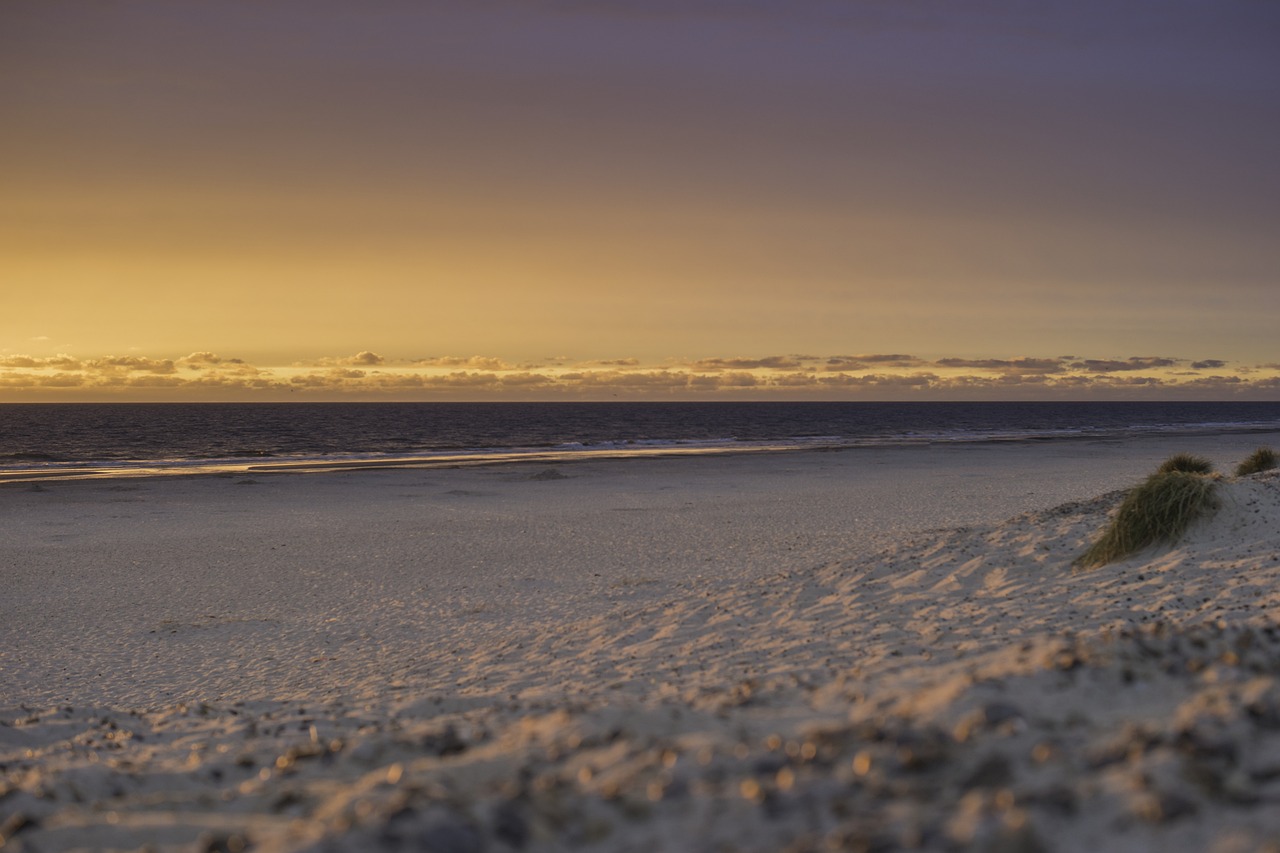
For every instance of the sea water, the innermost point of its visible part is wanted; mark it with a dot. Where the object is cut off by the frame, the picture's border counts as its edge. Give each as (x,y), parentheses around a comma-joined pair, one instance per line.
(118,439)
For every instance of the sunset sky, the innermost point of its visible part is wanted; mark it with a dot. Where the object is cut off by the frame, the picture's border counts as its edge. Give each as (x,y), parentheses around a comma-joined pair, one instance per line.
(704,199)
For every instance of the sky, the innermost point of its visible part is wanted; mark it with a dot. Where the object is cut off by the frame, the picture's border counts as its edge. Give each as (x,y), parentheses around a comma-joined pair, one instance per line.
(704,199)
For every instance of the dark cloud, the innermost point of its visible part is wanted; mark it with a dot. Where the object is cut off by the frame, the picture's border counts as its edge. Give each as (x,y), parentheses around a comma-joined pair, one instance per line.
(1208,364)
(862,362)
(838,363)
(896,359)
(773,362)
(1012,365)
(1093,365)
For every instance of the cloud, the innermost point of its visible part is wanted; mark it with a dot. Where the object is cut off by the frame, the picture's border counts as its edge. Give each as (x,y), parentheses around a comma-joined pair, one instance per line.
(1012,365)
(1134,363)
(773,362)
(360,359)
(608,362)
(17,380)
(897,359)
(60,362)
(132,363)
(862,362)
(879,380)
(367,375)
(19,361)
(153,381)
(197,358)
(613,380)
(527,380)
(210,360)
(474,362)
(738,379)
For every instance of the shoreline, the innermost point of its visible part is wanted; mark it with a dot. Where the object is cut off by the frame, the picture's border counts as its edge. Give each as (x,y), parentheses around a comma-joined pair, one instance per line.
(135,469)
(881,649)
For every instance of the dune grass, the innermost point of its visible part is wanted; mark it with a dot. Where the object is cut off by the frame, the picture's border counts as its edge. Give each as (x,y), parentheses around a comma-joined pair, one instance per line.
(1159,509)
(1188,463)
(1262,459)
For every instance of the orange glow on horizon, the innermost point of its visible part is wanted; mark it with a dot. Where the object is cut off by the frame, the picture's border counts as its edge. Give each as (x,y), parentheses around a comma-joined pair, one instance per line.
(527,182)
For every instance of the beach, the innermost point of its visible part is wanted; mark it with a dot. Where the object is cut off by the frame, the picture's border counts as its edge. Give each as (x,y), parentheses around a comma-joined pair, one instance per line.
(871,649)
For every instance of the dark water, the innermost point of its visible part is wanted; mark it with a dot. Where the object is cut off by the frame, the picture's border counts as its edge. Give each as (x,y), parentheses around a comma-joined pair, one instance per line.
(61,436)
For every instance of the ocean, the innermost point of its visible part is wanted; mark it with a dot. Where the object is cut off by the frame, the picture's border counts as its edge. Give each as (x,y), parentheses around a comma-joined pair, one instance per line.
(70,440)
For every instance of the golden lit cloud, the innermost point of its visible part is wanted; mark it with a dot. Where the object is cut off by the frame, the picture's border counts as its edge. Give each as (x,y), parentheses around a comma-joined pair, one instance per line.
(369,376)
(474,362)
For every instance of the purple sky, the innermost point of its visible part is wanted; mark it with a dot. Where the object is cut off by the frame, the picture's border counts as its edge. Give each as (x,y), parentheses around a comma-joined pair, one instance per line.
(296,180)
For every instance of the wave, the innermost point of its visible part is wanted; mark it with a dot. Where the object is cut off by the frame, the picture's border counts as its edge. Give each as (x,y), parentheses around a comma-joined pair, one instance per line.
(25,467)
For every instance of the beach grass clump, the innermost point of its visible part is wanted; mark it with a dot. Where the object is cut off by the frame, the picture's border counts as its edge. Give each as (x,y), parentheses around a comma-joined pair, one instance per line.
(1187,463)
(1160,509)
(1262,459)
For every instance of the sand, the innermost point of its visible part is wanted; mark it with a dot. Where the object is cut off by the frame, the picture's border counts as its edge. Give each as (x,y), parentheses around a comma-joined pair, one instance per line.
(865,650)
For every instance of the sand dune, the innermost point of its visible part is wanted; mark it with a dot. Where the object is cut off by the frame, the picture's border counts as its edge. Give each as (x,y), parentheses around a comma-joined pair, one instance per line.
(959,689)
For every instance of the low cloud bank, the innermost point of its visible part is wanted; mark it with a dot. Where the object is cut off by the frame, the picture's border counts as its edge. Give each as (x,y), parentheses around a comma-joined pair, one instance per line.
(370,375)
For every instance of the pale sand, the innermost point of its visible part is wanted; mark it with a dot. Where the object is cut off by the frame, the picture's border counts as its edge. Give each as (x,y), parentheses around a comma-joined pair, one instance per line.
(759,652)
